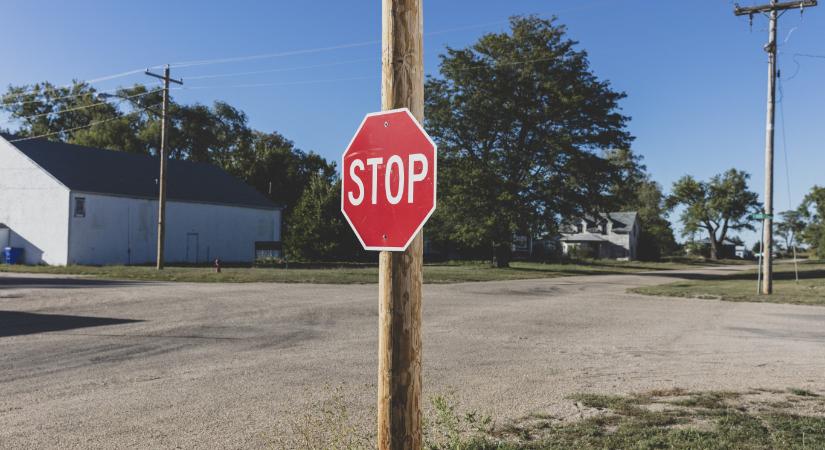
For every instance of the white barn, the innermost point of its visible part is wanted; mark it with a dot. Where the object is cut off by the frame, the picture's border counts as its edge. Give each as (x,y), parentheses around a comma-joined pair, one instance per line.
(68,204)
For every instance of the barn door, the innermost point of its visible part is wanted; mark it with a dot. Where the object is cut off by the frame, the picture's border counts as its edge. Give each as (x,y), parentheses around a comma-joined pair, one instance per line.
(192,248)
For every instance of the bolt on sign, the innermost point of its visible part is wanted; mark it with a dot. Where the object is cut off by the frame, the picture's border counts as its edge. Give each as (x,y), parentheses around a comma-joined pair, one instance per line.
(388,182)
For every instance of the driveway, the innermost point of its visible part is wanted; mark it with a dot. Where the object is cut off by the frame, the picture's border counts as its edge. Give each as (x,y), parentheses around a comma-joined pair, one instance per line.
(86,363)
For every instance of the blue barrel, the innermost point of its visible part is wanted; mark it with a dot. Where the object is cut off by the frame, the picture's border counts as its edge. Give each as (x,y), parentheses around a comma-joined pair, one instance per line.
(12,255)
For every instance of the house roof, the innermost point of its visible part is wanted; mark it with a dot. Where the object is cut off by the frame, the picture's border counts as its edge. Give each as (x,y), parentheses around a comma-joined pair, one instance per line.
(99,171)
(706,241)
(622,222)
(582,237)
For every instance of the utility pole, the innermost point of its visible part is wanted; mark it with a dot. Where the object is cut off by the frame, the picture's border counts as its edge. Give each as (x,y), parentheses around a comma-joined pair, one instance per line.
(772,10)
(400,273)
(164,136)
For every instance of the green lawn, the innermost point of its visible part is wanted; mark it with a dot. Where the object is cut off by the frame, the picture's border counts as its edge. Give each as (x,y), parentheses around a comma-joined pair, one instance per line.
(359,274)
(741,287)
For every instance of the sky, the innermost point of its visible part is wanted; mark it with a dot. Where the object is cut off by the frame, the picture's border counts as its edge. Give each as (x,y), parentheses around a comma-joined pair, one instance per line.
(695,75)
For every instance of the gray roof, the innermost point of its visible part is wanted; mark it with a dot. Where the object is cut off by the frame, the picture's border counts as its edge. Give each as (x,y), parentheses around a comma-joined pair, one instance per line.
(621,220)
(582,237)
(706,241)
(94,170)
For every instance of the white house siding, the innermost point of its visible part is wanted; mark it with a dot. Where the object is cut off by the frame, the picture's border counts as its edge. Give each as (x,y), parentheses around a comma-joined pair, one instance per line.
(35,208)
(627,241)
(119,230)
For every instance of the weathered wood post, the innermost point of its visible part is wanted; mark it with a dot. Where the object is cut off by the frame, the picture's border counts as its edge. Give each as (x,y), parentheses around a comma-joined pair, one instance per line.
(400,273)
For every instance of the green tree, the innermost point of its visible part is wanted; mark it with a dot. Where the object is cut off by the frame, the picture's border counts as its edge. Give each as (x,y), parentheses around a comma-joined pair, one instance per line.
(789,229)
(813,211)
(57,112)
(317,231)
(275,160)
(718,206)
(633,190)
(519,118)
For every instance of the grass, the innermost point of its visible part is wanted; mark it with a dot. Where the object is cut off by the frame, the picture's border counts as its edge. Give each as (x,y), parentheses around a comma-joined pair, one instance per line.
(674,420)
(454,272)
(663,419)
(741,287)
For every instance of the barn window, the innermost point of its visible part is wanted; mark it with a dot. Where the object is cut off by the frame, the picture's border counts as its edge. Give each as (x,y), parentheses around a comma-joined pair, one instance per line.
(80,206)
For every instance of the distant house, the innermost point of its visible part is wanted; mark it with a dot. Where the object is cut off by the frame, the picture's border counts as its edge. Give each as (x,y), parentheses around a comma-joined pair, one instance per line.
(68,204)
(727,248)
(743,252)
(608,235)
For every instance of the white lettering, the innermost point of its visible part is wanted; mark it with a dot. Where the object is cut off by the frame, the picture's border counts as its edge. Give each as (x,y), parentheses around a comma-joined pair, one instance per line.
(416,176)
(357,180)
(394,160)
(374,163)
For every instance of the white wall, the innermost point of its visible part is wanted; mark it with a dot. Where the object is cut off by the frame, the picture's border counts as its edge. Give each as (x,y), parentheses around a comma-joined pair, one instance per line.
(34,206)
(119,230)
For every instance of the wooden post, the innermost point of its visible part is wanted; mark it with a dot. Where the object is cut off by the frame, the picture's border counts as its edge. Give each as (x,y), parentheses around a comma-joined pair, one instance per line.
(400,273)
(772,9)
(164,160)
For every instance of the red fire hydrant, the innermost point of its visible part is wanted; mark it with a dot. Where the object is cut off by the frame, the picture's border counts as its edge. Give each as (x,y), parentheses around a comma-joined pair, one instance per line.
(217,265)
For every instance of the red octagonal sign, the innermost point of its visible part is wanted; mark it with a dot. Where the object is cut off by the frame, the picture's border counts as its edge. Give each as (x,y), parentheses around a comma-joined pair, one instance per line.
(389,180)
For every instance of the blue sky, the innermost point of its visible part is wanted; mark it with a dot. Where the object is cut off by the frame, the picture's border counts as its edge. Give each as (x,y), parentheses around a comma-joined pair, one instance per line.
(695,75)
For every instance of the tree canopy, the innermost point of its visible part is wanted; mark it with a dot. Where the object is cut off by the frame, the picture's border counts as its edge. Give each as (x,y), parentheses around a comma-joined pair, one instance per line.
(718,206)
(520,120)
(812,211)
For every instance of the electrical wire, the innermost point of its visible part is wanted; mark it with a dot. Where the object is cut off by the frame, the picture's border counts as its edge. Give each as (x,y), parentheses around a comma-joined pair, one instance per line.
(193,63)
(88,125)
(808,55)
(305,51)
(332,80)
(283,69)
(287,83)
(78,108)
(204,62)
(98,79)
(787,170)
(17,102)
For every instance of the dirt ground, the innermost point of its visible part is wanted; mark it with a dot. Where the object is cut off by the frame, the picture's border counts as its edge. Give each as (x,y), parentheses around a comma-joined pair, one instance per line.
(91,364)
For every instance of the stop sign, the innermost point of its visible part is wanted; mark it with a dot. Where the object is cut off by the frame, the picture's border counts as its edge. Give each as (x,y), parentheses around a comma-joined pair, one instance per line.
(388,180)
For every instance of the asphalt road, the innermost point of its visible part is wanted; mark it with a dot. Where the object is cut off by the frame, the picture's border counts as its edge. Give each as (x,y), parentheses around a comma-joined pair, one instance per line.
(107,364)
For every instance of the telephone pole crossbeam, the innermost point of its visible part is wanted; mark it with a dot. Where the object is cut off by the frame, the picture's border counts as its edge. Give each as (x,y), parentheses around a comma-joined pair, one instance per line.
(164,135)
(772,9)
(779,6)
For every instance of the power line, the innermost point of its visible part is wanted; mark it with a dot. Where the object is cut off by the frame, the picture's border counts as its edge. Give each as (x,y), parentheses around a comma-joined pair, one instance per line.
(273,55)
(94,80)
(808,55)
(78,108)
(283,69)
(193,63)
(88,125)
(287,83)
(787,173)
(328,48)
(18,102)
(784,139)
